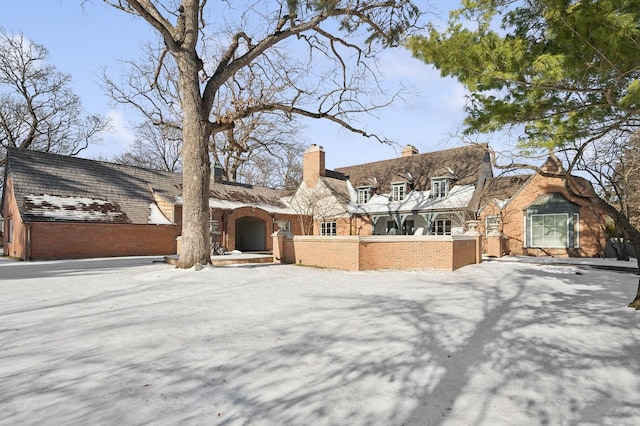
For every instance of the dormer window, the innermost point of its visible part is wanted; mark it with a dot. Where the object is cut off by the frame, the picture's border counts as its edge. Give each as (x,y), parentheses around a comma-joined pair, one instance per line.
(439,187)
(398,191)
(364,194)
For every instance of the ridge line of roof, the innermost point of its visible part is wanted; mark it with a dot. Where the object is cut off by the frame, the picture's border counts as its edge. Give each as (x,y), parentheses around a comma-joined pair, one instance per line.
(475,146)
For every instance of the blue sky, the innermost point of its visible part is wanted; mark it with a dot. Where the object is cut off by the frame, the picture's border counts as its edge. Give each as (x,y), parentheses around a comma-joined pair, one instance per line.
(82,41)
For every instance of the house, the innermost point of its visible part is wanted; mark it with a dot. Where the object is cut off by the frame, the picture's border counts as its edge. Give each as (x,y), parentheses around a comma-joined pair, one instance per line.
(444,193)
(65,207)
(536,216)
(425,194)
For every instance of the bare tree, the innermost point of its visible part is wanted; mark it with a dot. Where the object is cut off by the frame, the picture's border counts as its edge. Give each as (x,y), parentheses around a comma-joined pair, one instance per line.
(38,110)
(279,167)
(237,149)
(155,147)
(318,27)
(315,205)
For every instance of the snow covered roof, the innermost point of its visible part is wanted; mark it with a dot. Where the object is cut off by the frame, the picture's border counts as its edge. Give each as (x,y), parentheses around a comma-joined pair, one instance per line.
(459,198)
(54,208)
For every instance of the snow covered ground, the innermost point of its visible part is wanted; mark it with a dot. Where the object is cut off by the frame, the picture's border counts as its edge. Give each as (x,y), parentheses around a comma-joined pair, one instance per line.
(130,342)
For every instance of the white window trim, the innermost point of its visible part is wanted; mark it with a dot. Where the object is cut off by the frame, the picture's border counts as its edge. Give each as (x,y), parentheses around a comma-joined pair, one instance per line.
(576,234)
(364,195)
(443,191)
(486,222)
(444,227)
(398,191)
(328,229)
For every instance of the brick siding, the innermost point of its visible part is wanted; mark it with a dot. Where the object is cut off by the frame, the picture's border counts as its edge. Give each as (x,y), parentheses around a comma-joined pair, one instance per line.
(81,240)
(591,224)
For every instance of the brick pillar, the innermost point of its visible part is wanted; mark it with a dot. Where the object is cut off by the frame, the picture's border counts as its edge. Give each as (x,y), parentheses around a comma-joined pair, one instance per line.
(494,244)
(472,231)
(179,244)
(278,247)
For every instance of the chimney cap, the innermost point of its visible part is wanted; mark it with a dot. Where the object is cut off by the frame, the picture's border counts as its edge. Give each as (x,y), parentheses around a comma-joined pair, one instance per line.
(314,148)
(409,150)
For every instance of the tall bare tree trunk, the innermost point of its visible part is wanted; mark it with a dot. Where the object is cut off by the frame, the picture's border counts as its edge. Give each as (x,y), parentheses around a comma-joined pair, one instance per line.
(196,168)
(635,304)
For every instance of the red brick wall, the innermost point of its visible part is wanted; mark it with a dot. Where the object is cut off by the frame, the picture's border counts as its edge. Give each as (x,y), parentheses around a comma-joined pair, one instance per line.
(380,252)
(57,240)
(77,240)
(344,226)
(227,224)
(591,227)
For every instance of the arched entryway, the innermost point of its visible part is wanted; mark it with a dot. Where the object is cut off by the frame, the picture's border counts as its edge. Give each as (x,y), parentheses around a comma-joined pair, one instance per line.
(251,234)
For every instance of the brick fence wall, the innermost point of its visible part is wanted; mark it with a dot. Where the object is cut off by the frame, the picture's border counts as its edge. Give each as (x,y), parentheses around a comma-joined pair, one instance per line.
(379,252)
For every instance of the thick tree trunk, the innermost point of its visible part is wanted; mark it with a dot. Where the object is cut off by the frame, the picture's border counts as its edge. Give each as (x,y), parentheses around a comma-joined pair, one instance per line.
(636,302)
(196,170)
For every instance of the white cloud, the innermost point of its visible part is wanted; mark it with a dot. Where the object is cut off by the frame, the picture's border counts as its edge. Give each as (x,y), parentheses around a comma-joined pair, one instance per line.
(401,65)
(115,141)
(119,135)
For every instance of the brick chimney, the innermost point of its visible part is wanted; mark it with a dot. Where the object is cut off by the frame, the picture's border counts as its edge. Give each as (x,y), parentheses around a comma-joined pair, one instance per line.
(409,150)
(553,164)
(313,165)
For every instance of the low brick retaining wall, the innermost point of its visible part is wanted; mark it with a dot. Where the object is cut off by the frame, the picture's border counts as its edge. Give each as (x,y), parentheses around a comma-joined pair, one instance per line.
(356,253)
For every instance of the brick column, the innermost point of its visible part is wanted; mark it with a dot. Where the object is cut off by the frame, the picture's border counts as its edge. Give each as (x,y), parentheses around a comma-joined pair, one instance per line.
(472,231)
(278,246)
(494,244)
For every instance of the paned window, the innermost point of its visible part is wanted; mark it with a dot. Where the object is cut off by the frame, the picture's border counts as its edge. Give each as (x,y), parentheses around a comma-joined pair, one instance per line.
(491,222)
(439,188)
(441,227)
(328,229)
(559,230)
(363,195)
(398,191)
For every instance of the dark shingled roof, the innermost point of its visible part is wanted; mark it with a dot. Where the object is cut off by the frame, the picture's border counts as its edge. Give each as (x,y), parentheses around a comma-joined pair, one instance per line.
(118,193)
(502,187)
(338,187)
(467,164)
(247,194)
(124,189)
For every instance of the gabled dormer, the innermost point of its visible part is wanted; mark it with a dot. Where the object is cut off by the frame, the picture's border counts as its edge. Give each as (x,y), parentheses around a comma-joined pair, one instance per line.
(366,188)
(401,185)
(441,182)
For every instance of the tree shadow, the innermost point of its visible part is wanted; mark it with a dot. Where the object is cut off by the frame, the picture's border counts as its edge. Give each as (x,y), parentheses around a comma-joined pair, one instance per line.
(518,345)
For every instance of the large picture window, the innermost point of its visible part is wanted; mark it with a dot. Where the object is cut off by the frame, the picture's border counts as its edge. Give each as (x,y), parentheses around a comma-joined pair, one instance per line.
(559,230)
(552,222)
